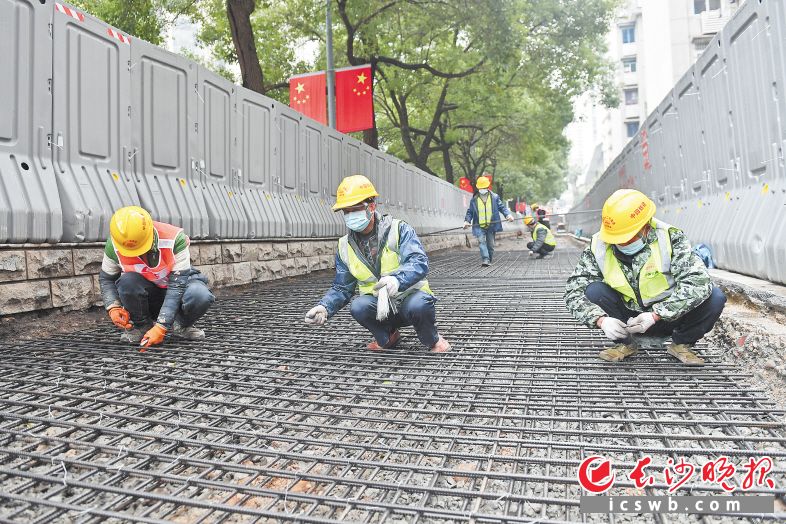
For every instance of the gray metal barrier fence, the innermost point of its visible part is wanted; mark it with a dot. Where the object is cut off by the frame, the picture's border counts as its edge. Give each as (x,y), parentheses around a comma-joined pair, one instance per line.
(92,119)
(711,155)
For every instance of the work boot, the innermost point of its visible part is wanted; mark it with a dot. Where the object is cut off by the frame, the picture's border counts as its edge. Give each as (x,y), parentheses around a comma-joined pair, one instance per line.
(187,333)
(618,353)
(392,342)
(684,353)
(485,263)
(134,335)
(442,346)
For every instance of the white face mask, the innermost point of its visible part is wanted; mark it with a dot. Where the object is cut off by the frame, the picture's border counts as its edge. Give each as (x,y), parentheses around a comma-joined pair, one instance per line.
(483,191)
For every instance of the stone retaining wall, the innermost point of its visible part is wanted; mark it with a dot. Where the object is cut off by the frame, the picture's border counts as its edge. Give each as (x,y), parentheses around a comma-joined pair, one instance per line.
(34,278)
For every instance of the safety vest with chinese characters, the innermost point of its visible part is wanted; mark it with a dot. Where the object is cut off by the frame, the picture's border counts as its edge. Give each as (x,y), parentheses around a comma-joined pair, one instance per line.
(655,279)
(550,241)
(158,275)
(485,210)
(389,263)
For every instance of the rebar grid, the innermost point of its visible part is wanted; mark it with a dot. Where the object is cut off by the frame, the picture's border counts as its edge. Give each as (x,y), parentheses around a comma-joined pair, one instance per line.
(270,420)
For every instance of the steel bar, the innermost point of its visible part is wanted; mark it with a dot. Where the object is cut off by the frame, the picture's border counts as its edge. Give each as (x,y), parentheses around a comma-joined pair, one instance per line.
(268,419)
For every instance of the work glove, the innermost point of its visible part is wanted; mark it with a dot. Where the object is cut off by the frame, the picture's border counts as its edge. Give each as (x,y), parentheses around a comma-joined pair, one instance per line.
(389,282)
(509,218)
(613,328)
(532,253)
(120,317)
(466,225)
(317,315)
(641,323)
(153,337)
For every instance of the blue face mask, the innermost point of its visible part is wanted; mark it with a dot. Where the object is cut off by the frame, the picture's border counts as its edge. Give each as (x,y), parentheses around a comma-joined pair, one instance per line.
(632,248)
(358,220)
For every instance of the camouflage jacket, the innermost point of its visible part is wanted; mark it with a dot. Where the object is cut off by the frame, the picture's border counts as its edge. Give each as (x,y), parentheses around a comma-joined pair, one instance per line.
(693,283)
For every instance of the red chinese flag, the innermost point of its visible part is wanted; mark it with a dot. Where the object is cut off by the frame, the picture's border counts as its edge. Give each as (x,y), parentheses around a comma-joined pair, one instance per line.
(465,184)
(354,99)
(307,95)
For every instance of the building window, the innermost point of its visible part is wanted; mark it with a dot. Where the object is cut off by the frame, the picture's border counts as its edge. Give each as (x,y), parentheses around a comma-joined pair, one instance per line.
(700,44)
(699,6)
(629,65)
(631,96)
(632,128)
(628,34)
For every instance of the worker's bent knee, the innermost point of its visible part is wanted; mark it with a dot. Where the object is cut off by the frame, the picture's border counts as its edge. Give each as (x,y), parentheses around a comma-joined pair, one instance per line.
(131,284)
(598,291)
(197,296)
(419,305)
(716,301)
(363,306)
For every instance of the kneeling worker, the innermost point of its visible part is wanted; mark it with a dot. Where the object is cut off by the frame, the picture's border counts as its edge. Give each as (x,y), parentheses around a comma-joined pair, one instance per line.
(146,272)
(639,275)
(379,252)
(543,241)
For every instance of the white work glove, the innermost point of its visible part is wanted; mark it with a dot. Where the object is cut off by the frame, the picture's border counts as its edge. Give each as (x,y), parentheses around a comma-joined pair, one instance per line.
(466,225)
(532,253)
(613,328)
(509,218)
(388,282)
(317,315)
(641,323)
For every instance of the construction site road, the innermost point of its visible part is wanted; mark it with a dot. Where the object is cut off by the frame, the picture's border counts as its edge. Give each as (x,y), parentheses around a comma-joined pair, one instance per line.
(271,420)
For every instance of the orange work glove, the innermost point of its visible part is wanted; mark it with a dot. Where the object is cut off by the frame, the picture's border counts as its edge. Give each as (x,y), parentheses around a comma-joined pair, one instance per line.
(153,337)
(120,317)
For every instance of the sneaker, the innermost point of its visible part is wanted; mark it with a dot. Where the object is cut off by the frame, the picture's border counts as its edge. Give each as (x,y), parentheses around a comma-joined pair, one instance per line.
(684,353)
(187,333)
(485,264)
(133,336)
(618,353)
(442,346)
(392,342)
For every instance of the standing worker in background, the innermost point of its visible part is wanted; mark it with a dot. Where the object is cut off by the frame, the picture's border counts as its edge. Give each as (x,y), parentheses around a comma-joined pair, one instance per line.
(484,217)
(382,258)
(540,214)
(543,241)
(639,275)
(146,272)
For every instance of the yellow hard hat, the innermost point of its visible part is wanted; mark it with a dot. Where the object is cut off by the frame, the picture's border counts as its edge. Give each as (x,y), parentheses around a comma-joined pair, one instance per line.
(353,190)
(529,220)
(131,229)
(483,182)
(625,212)
(535,206)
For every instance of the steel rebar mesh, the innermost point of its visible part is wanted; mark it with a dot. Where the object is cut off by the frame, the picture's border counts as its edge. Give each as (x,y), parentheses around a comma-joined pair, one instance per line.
(268,419)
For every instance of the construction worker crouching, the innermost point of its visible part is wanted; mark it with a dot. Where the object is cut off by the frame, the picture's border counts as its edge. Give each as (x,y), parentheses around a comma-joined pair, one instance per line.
(484,217)
(146,272)
(639,275)
(543,241)
(383,259)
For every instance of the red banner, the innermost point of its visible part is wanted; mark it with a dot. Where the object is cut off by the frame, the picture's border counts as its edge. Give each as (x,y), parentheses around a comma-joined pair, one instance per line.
(307,95)
(521,207)
(465,184)
(354,99)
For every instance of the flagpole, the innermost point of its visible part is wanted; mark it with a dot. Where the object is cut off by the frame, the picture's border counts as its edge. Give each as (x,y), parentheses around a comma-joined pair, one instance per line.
(330,77)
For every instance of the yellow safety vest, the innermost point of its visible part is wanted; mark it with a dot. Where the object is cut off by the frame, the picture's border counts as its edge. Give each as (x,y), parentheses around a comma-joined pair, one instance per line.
(389,263)
(484,216)
(550,240)
(655,279)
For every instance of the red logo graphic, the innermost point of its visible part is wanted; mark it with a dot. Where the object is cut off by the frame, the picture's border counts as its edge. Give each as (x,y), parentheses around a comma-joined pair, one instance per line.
(591,478)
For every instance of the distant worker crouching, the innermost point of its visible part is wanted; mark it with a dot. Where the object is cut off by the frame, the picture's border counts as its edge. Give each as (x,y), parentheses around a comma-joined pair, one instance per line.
(543,241)
(146,272)
(484,217)
(379,257)
(639,275)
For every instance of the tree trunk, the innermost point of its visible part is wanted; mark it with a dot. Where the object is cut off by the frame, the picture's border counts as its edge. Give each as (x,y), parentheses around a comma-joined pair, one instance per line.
(371,136)
(239,14)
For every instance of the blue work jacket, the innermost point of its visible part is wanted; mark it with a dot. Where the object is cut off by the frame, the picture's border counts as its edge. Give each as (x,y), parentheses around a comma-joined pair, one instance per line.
(412,269)
(497,207)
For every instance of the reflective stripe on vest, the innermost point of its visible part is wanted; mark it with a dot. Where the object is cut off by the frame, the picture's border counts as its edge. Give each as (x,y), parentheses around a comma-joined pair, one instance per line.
(655,279)
(158,275)
(550,240)
(484,217)
(389,263)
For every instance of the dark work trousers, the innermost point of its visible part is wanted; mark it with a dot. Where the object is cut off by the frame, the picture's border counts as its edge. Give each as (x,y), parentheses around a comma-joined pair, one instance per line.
(544,249)
(416,310)
(143,299)
(688,329)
